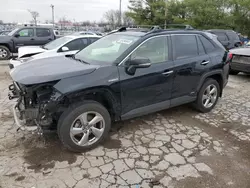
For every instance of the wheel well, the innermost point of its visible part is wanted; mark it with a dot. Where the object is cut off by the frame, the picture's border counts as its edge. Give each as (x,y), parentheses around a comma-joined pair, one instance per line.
(104,98)
(219,79)
(6,45)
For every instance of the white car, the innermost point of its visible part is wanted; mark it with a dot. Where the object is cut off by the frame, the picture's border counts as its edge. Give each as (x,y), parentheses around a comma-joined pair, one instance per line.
(67,45)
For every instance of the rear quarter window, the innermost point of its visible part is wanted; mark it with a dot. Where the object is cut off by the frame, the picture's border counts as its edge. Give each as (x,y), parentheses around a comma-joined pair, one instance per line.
(233,35)
(209,46)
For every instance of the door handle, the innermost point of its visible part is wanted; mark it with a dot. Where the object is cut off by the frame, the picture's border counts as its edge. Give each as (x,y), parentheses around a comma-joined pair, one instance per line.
(167,73)
(204,62)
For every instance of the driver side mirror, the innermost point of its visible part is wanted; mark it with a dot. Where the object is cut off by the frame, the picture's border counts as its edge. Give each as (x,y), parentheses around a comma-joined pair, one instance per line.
(65,49)
(17,35)
(138,62)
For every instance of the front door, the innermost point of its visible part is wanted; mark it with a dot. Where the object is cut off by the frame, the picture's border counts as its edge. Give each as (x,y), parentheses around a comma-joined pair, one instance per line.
(149,88)
(24,37)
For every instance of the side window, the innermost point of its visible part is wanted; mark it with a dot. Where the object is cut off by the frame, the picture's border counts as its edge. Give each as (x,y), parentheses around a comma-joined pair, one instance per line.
(42,32)
(26,32)
(209,47)
(93,40)
(84,42)
(155,49)
(200,47)
(233,35)
(222,36)
(185,46)
(75,45)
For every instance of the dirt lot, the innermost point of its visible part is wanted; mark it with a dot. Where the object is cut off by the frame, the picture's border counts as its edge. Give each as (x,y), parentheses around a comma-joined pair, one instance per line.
(173,148)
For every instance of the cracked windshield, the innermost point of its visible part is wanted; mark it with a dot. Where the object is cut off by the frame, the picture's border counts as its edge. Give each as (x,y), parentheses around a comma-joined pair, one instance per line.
(125,94)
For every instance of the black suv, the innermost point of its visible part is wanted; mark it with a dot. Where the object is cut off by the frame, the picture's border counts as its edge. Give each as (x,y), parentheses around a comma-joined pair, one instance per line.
(120,76)
(228,38)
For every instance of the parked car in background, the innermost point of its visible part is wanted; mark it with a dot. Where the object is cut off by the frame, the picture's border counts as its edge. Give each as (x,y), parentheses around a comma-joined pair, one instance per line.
(228,38)
(25,36)
(67,45)
(4,32)
(240,61)
(120,76)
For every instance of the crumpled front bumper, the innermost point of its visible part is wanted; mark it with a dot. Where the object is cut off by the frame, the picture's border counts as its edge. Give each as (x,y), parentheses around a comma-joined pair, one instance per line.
(19,108)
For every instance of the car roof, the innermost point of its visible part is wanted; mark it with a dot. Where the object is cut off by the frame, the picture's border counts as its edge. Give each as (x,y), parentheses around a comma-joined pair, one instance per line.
(159,32)
(220,30)
(82,36)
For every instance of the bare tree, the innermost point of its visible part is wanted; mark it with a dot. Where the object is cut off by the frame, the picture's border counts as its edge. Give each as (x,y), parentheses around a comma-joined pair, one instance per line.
(34,16)
(112,18)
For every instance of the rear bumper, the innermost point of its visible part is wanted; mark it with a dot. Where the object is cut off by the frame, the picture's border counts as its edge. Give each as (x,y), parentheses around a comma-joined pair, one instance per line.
(241,64)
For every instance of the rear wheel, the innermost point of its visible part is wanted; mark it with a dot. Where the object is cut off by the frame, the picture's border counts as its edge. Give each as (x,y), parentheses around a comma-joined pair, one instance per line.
(207,96)
(4,53)
(84,126)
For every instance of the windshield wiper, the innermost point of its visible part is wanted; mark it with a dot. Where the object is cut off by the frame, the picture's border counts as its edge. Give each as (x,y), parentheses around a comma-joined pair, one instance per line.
(73,56)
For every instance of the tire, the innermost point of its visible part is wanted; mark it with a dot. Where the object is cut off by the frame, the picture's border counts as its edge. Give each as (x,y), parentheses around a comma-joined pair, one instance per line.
(199,103)
(233,72)
(71,118)
(4,53)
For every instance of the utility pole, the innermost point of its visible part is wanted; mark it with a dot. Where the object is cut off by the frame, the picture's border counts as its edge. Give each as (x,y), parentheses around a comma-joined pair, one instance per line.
(120,13)
(166,12)
(53,16)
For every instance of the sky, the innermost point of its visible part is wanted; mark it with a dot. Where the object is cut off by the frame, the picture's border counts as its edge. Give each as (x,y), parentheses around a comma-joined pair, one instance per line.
(78,10)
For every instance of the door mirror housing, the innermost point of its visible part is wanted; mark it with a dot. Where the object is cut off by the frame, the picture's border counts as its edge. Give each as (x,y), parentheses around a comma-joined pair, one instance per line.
(17,35)
(65,49)
(136,63)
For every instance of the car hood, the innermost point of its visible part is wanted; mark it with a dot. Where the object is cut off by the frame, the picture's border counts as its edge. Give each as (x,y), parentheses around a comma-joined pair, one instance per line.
(5,38)
(29,50)
(241,51)
(49,69)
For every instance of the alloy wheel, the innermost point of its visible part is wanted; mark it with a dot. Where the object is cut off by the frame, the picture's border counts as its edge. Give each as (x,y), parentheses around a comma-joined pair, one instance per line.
(87,128)
(3,53)
(209,96)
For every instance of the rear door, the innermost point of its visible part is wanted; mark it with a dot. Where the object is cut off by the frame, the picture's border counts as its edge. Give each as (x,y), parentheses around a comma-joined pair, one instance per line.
(43,36)
(190,63)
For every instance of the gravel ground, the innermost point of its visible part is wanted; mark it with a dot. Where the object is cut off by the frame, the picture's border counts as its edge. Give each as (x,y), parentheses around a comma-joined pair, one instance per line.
(173,148)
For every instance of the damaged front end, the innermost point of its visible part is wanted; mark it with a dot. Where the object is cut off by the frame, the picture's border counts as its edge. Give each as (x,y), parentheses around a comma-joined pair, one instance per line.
(37,107)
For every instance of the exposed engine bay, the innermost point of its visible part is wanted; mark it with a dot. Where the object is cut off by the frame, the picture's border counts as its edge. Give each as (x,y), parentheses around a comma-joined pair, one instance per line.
(37,105)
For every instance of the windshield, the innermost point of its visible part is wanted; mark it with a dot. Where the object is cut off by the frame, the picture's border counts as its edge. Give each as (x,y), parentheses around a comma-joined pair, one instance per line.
(12,32)
(56,43)
(106,49)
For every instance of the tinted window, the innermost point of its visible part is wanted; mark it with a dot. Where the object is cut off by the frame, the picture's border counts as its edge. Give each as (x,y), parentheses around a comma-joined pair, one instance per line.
(84,43)
(93,39)
(185,46)
(200,46)
(41,32)
(26,32)
(155,49)
(74,45)
(209,47)
(233,35)
(222,36)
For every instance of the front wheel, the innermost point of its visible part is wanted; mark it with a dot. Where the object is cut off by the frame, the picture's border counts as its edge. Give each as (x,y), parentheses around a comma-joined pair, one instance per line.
(84,126)
(207,96)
